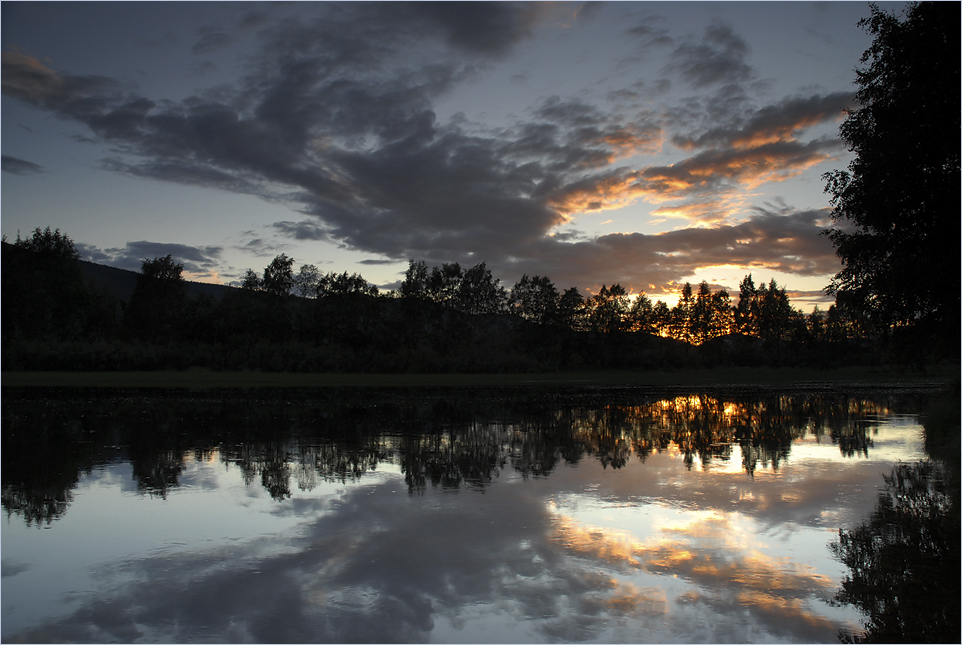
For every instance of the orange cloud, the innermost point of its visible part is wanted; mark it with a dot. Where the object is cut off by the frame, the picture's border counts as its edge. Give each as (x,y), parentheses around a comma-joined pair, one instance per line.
(724,174)
(715,556)
(772,124)
(598,194)
(29,79)
(714,211)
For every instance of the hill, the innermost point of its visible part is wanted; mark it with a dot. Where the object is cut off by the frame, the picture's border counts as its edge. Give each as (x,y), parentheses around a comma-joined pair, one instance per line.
(121,282)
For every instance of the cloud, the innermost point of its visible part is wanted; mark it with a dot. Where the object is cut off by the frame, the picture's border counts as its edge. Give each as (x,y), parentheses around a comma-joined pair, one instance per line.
(771,123)
(708,173)
(197,261)
(29,80)
(730,577)
(491,28)
(309,229)
(650,32)
(336,118)
(325,584)
(744,167)
(768,240)
(349,567)
(211,39)
(16,166)
(718,58)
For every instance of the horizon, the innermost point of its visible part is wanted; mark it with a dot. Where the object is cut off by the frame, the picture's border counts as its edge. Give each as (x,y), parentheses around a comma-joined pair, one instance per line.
(645,144)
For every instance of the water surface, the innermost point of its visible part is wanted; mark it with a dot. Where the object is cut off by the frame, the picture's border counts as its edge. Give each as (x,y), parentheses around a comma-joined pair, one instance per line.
(515,515)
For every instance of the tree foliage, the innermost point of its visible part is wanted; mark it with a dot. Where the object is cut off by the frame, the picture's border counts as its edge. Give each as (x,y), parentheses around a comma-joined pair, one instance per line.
(44,283)
(534,299)
(607,311)
(158,305)
(897,205)
(279,276)
(333,284)
(50,246)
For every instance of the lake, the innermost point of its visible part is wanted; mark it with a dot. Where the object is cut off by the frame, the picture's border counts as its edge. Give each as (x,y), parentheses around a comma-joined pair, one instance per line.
(540,514)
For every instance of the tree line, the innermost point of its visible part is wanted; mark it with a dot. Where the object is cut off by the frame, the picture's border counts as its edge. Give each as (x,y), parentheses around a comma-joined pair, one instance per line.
(763,312)
(442,318)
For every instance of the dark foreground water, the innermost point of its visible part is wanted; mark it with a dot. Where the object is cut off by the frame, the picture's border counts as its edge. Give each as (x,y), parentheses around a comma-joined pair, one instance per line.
(521,515)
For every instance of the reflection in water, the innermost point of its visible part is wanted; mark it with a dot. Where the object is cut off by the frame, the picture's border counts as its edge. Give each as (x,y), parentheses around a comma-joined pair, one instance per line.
(529,515)
(441,441)
(904,560)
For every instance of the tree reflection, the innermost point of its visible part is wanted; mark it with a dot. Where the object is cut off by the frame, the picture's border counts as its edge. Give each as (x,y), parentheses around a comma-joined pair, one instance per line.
(284,441)
(44,453)
(904,561)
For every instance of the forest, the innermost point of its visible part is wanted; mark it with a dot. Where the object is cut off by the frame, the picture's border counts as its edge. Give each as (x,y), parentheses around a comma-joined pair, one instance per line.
(440,319)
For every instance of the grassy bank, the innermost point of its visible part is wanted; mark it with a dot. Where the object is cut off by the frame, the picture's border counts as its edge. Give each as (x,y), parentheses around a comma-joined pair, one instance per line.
(763,376)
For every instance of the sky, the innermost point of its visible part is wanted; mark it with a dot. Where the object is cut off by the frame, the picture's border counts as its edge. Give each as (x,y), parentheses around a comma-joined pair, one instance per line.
(646,144)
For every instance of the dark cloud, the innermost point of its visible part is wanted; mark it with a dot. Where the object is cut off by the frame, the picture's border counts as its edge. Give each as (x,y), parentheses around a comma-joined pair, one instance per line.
(253,20)
(191,173)
(651,32)
(261,247)
(212,39)
(375,262)
(491,28)
(32,82)
(92,253)
(16,166)
(196,260)
(336,118)
(780,121)
(718,58)
(310,229)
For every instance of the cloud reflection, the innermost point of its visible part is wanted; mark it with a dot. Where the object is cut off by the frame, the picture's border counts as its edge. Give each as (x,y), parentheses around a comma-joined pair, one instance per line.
(710,555)
(376,565)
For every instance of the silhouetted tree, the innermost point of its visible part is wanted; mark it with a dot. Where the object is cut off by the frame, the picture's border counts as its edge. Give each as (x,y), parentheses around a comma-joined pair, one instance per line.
(607,310)
(641,316)
(158,303)
(681,315)
(661,315)
(534,299)
(478,292)
(816,325)
(722,320)
(774,312)
(252,281)
(279,276)
(444,281)
(333,284)
(899,198)
(306,281)
(746,311)
(415,283)
(571,309)
(701,314)
(44,291)
(53,246)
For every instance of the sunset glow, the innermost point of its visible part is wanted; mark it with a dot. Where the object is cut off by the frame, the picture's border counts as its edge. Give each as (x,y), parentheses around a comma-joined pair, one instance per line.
(358,136)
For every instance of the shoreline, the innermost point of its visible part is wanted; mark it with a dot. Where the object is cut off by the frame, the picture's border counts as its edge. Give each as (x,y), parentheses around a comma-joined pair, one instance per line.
(939,376)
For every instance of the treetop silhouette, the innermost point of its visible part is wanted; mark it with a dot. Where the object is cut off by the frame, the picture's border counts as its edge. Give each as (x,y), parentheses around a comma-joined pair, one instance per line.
(896,208)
